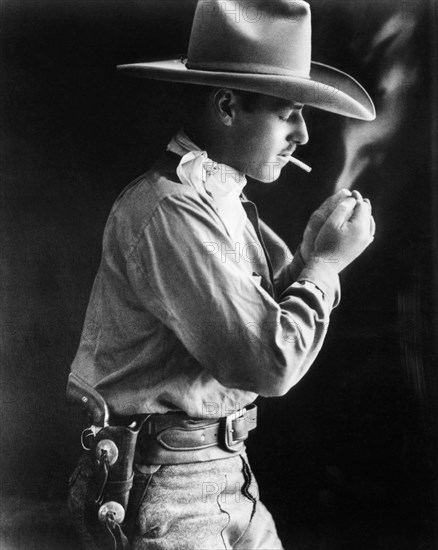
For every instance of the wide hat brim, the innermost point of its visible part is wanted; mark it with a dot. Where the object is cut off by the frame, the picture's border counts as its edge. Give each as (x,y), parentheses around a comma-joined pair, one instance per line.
(326,88)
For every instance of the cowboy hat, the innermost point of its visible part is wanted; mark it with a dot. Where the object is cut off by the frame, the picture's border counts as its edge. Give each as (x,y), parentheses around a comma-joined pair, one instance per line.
(264,47)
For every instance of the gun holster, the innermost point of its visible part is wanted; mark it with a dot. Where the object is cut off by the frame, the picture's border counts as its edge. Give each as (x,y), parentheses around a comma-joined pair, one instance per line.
(112,449)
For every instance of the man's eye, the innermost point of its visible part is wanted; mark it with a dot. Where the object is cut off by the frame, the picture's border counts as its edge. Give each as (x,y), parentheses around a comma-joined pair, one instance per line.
(299,109)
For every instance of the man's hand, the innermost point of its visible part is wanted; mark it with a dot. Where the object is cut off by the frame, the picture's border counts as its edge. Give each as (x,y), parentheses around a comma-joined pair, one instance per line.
(339,231)
(317,220)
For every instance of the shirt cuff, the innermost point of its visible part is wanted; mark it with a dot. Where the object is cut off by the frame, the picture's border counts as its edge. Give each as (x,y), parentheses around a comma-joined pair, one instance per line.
(325,278)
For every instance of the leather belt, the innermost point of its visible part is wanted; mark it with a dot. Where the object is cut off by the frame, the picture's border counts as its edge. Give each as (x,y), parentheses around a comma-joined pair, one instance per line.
(176,438)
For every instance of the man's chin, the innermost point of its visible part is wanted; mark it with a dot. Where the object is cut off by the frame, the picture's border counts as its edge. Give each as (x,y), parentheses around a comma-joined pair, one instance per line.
(266,174)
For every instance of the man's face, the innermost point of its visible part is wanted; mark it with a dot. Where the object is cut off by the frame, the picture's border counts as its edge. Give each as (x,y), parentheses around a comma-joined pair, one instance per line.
(264,137)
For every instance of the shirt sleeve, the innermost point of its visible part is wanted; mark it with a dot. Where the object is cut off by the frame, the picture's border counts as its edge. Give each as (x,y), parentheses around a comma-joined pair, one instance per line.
(285,265)
(189,274)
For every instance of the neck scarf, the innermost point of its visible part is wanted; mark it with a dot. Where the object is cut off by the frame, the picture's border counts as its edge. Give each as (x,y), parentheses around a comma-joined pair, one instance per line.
(219,181)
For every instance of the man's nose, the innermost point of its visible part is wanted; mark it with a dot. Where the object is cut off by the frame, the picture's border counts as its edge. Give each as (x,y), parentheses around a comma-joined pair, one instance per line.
(298,133)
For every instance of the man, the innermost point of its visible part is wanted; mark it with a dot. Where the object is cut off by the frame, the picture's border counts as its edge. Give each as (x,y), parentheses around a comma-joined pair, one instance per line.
(198,307)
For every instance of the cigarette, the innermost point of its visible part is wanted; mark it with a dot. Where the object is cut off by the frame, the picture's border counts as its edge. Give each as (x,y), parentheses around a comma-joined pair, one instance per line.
(301,164)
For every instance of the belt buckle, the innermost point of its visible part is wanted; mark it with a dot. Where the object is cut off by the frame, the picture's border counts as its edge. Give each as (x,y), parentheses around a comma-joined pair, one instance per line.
(229,443)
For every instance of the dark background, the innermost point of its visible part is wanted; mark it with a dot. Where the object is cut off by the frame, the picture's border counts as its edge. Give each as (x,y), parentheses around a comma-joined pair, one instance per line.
(347,460)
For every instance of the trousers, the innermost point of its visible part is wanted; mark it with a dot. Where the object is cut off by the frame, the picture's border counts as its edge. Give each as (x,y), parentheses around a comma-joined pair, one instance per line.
(211,505)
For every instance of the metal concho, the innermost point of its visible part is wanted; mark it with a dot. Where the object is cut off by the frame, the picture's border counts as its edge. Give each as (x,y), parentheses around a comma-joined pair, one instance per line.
(110,449)
(114,509)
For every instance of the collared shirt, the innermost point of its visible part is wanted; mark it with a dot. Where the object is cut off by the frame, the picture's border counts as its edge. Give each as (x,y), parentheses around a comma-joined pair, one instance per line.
(183,317)
(222,182)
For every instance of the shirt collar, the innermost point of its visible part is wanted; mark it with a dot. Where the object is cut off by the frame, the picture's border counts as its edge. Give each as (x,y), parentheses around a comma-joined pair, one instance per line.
(222,183)
(226,178)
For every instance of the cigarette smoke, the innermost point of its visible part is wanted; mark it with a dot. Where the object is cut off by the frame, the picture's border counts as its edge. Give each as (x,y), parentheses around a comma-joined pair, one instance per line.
(365,143)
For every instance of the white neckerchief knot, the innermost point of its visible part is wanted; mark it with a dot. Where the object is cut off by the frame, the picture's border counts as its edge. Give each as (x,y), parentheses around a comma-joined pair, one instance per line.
(221,182)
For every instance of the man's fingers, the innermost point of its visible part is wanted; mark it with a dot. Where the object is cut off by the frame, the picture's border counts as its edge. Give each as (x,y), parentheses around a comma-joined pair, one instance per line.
(342,212)
(372,222)
(361,213)
(330,204)
(342,193)
(357,195)
(373,227)
(319,217)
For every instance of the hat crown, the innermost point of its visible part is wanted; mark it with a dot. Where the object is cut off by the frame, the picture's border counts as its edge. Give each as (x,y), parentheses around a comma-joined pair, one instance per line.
(251,36)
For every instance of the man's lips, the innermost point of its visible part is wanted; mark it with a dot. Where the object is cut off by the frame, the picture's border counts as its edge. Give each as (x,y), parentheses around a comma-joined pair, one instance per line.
(288,152)
(286,156)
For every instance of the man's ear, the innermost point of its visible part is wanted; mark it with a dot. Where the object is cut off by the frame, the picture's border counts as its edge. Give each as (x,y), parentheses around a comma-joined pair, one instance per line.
(224,103)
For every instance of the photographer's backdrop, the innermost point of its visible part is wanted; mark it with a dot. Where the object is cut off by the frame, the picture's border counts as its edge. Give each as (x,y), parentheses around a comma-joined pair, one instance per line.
(347,459)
